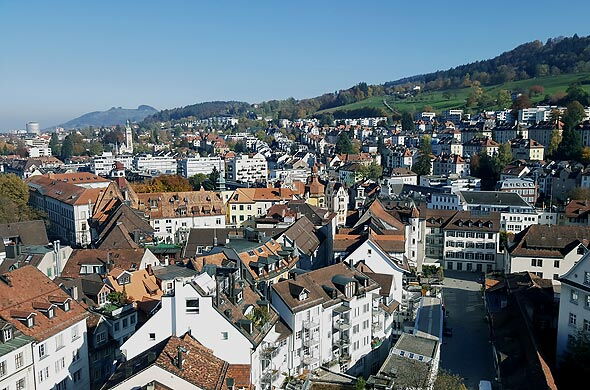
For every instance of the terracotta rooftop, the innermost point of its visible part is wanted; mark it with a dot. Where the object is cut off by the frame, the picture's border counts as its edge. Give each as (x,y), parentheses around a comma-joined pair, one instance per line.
(549,241)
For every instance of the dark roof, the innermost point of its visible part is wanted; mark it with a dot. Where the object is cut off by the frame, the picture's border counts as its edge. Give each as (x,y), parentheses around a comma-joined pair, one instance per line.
(549,241)
(496,198)
(465,220)
(302,233)
(28,232)
(206,237)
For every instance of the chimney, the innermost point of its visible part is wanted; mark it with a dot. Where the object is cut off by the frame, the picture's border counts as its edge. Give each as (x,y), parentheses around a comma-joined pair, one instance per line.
(180,357)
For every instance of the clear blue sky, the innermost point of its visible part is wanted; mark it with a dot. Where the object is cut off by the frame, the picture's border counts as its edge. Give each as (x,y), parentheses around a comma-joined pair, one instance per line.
(60,59)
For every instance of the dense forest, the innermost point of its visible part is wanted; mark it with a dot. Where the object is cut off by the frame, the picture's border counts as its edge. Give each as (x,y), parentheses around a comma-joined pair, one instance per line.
(533,59)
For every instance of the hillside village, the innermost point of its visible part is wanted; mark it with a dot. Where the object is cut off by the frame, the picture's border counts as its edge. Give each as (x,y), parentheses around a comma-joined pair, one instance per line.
(246,253)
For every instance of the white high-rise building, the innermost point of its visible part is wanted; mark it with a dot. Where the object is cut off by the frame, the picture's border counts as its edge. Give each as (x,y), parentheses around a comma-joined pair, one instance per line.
(127,148)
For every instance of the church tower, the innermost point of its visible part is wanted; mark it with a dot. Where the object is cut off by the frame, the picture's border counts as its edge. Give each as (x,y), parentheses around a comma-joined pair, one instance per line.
(128,139)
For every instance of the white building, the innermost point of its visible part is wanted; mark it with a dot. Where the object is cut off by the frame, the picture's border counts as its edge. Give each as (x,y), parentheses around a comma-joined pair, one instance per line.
(103,164)
(190,166)
(547,251)
(16,359)
(40,309)
(39,151)
(337,201)
(330,313)
(574,305)
(155,165)
(247,169)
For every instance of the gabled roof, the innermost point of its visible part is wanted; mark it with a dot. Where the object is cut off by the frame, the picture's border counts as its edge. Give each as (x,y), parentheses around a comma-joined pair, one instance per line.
(27,291)
(28,232)
(302,234)
(549,241)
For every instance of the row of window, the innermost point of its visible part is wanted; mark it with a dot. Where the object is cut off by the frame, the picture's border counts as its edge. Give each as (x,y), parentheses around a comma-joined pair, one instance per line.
(471,244)
(43,350)
(469,234)
(470,256)
(573,319)
(19,361)
(539,263)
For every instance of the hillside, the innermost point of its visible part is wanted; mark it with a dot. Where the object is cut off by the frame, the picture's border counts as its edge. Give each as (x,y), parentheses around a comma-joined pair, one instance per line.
(202,111)
(458,96)
(111,117)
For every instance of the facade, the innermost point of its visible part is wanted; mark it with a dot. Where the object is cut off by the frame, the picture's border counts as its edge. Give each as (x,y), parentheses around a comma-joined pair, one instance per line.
(247,204)
(155,165)
(247,169)
(190,166)
(330,313)
(574,305)
(41,310)
(525,187)
(103,164)
(173,214)
(450,165)
(472,242)
(547,251)
(527,149)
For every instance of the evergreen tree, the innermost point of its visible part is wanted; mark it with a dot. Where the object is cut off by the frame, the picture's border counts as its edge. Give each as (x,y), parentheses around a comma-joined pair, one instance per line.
(424,164)
(54,145)
(344,145)
(570,147)
(407,122)
(67,148)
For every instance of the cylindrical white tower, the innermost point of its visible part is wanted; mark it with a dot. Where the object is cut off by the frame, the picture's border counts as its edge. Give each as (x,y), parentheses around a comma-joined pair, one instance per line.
(33,128)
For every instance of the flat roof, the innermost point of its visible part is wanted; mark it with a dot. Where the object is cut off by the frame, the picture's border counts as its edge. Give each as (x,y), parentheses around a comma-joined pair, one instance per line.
(429,318)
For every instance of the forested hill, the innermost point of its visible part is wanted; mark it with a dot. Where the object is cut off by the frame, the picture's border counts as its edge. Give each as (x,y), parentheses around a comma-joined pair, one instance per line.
(202,111)
(557,56)
(533,59)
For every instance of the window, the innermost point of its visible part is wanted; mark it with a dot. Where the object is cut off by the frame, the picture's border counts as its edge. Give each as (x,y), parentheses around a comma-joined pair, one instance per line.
(3,368)
(586,326)
(132,319)
(42,351)
(7,334)
(572,319)
(574,296)
(125,322)
(43,374)
(355,329)
(555,263)
(298,335)
(101,337)
(19,360)
(224,335)
(62,385)
(77,376)
(586,277)
(75,355)
(369,251)
(60,365)
(59,341)
(192,306)
(152,336)
(20,384)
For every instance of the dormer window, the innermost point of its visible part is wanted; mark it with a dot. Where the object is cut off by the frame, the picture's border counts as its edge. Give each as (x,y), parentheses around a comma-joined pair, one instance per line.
(7,334)
(303,295)
(66,306)
(51,312)
(30,321)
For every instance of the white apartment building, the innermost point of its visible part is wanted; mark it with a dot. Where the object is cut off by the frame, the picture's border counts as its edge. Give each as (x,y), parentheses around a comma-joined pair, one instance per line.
(40,309)
(330,313)
(218,314)
(155,165)
(472,242)
(247,169)
(103,164)
(525,187)
(36,151)
(547,251)
(190,166)
(16,360)
(574,305)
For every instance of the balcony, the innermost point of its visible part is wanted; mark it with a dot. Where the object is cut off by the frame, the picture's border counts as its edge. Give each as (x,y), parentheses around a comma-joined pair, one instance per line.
(308,360)
(342,324)
(311,342)
(310,324)
(344,357)
(269,375)
(268,350)
(377,327)
(342,342)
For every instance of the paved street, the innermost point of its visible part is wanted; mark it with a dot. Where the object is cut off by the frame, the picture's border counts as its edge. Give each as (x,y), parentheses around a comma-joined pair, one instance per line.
(468,352)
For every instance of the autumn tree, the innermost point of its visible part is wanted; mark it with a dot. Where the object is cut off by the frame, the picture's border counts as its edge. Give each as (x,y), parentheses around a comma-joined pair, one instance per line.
(447,381)
(423,166)
(14,200)
(554,143)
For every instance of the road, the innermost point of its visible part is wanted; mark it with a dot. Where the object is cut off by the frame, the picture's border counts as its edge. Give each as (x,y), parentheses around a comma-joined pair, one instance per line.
(468,352)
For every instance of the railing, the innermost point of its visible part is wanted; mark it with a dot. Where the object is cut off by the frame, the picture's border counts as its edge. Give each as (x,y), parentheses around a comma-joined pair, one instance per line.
(344,357)
(342,324)
(268,349)
(310,324)
(311,342)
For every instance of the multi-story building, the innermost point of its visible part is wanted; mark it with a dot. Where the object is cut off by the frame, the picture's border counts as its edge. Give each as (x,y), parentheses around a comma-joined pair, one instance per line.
(515,212)
(525,187)
(506,132)
(527,149)
(337,201)
(69,201)
(155,165)
(190,166)
(452,164)
(247,169)
(547,251)
(103,164)
(247,204)
(574,306)
(16,358)
(173,214)
(447,145)
(477,145)
(472,242)
(330,313)
(38,308)
(542,132)
(227,316)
